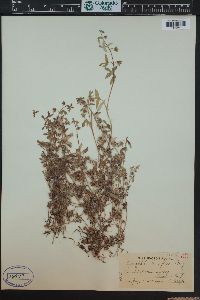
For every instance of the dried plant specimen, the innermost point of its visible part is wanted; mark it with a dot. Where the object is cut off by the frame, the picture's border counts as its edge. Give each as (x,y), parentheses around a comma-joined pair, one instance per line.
(88,195)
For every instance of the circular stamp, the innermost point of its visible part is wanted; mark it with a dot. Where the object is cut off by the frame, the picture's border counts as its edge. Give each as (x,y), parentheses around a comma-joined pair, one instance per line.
(18,276)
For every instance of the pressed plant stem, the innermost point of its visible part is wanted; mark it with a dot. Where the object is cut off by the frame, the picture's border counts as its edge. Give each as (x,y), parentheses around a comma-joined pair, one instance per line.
(88,193)
(106,108)
(91,126)
(109,96)
(113,64)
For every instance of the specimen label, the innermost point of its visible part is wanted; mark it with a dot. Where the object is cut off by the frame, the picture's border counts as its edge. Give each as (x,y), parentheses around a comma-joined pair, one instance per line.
(156,271)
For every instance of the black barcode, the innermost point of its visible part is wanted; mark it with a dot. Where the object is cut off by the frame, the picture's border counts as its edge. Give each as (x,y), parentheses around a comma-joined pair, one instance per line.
(176,24)
(170,24)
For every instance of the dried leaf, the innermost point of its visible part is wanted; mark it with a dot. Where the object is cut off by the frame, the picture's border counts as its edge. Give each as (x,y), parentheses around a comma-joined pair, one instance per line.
(85,150)
(35,112)
(70,107)
(129,143)
(97,97)
(99,39)
(106,60)
(119,62)
(84,123)
(108,75)
(100,106)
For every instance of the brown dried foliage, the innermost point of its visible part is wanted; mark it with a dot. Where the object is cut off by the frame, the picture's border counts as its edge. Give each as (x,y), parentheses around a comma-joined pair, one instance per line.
(90,194)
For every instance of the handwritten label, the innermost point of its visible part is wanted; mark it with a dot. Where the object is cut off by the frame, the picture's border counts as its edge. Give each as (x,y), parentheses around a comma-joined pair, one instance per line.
(156,271)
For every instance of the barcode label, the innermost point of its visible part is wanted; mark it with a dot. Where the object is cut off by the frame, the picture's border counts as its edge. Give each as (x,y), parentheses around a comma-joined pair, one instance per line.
(172,24)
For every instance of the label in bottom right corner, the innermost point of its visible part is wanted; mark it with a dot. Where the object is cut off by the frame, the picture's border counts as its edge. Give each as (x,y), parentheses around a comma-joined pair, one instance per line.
(156,271)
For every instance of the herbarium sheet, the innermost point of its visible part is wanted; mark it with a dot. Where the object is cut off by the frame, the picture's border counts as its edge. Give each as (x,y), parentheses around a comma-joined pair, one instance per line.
(98,153)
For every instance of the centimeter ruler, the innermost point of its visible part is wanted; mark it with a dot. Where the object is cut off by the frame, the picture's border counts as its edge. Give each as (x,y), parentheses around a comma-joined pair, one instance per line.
(106,7)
